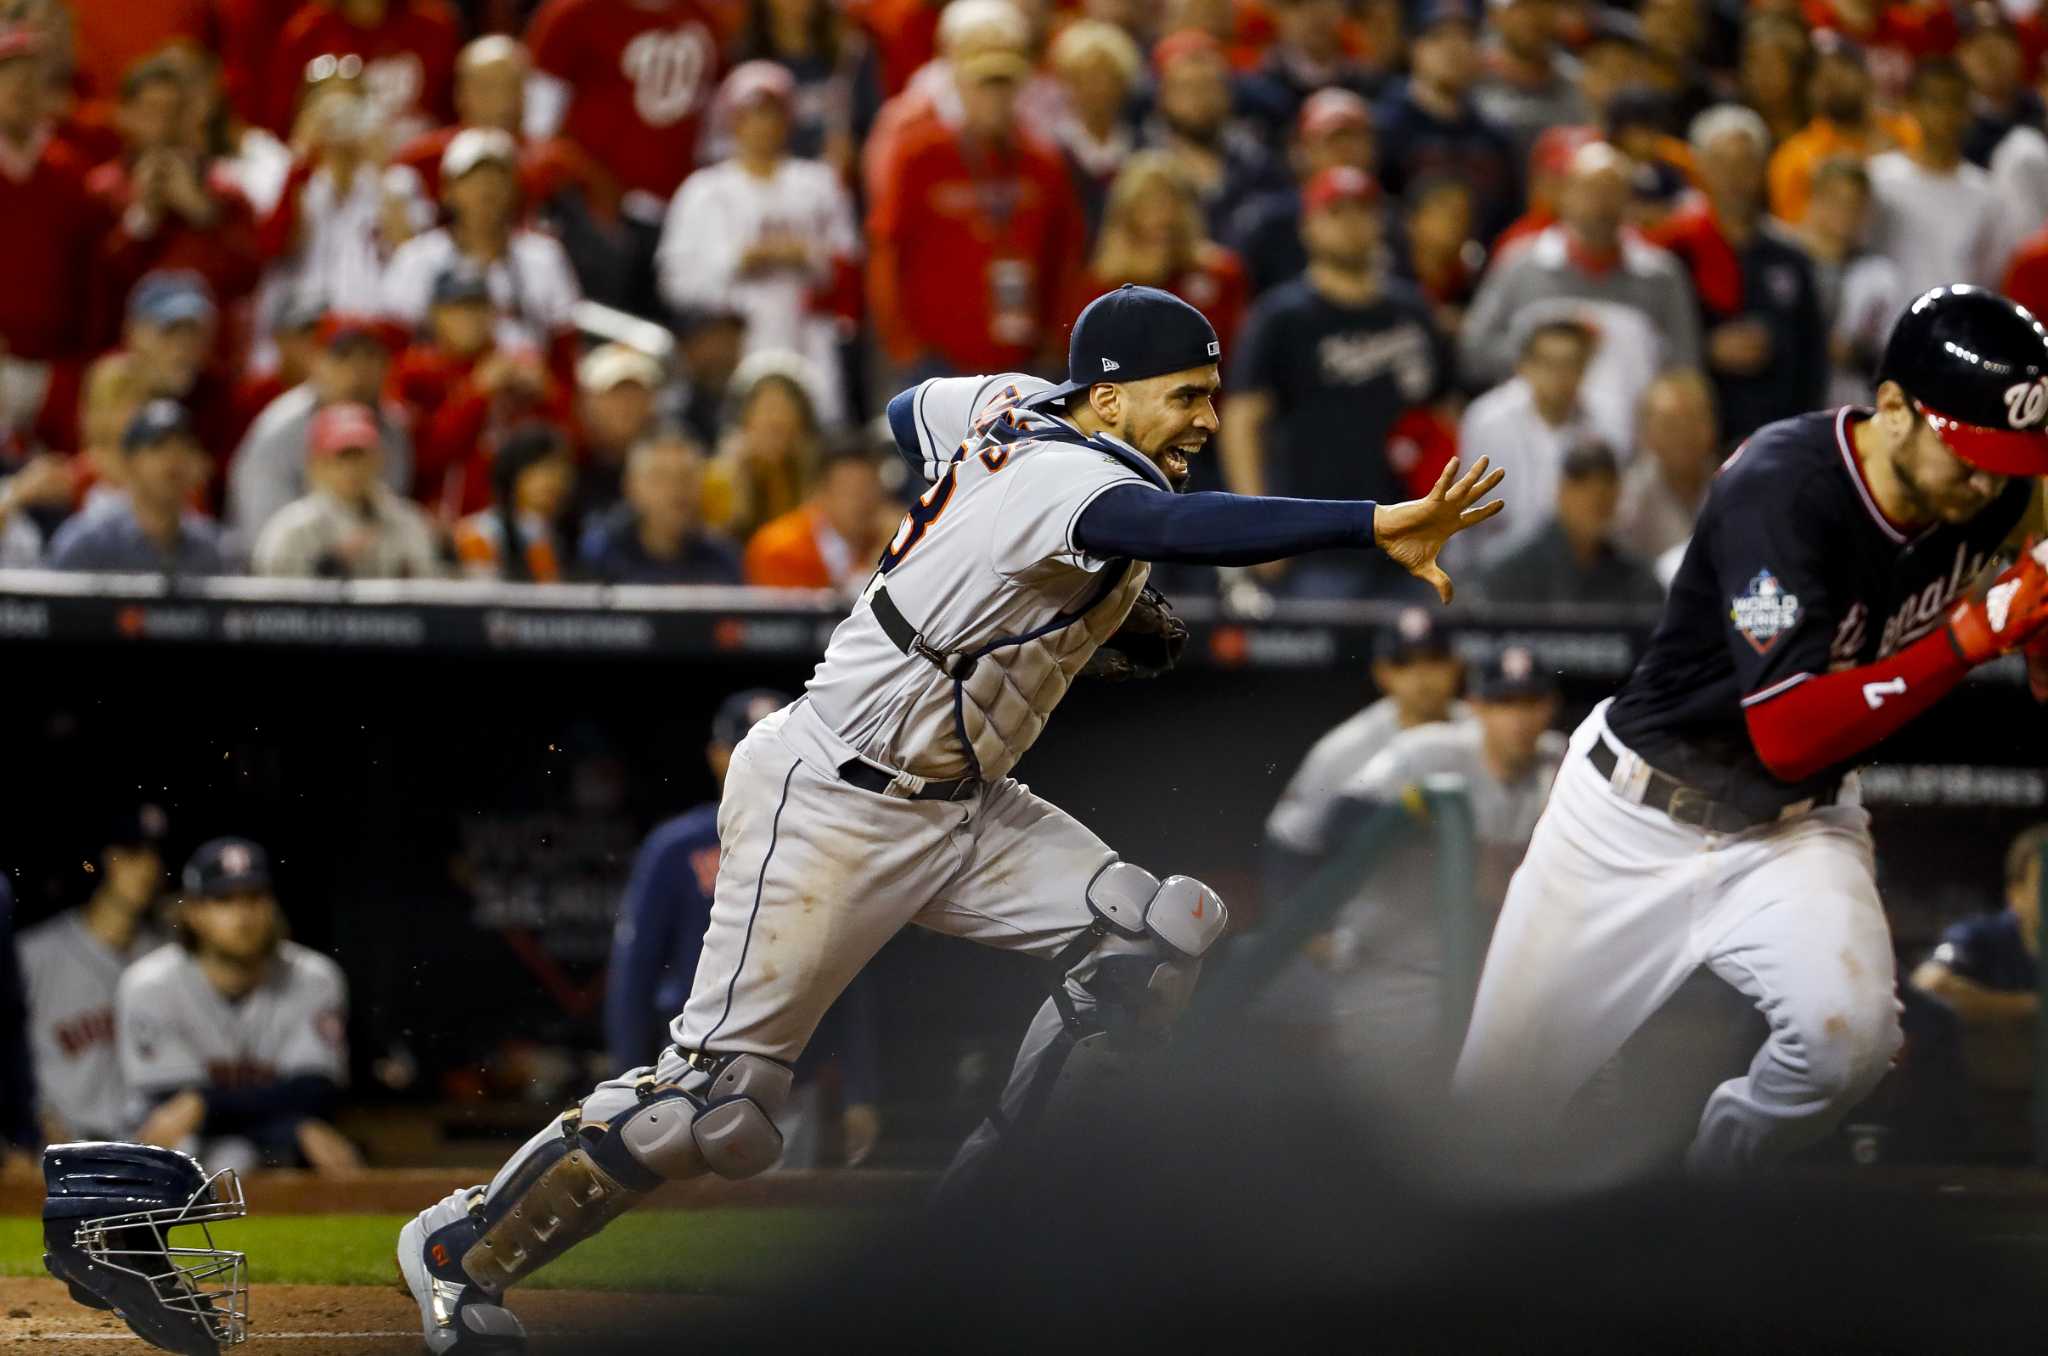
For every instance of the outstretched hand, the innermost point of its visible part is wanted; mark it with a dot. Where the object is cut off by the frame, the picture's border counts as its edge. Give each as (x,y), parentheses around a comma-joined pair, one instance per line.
(1413,533)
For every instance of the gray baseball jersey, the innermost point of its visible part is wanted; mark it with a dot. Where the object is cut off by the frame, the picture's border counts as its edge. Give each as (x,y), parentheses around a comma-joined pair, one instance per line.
(1301,818)
(176,1031)
(987,564)
(1394,917)
(1378,990)
(71,974)
(1504,813)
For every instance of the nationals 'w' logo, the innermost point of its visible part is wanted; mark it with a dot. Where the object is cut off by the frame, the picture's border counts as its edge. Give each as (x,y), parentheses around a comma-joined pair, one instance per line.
(668,69)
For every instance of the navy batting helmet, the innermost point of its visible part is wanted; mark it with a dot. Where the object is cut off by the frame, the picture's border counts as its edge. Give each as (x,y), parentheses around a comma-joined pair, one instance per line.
(108,1212)
(1975,366)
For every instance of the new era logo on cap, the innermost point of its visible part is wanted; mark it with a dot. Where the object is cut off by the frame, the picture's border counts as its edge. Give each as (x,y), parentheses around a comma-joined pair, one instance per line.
(1109,364)
(1215,348)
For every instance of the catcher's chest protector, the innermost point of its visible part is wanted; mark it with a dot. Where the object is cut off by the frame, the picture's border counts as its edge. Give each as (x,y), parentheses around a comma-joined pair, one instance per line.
(1004,703)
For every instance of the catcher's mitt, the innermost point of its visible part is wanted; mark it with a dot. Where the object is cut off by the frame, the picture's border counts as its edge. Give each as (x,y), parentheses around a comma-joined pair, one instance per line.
(1146,645)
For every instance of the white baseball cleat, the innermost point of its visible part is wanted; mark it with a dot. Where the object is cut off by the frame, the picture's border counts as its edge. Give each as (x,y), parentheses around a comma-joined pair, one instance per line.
(454,1317)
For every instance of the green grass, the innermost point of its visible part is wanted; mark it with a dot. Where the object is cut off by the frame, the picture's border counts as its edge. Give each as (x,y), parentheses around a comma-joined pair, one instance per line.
(732,1252)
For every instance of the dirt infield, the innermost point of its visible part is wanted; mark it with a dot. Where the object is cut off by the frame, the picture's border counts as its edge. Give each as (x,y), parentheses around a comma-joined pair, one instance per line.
(38,1316)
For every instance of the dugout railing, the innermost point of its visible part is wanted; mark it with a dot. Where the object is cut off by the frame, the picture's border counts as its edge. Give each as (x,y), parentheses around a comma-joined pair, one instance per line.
(1441,806)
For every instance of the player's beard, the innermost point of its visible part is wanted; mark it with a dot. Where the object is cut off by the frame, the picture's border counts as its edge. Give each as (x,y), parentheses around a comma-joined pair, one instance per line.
(1927,506)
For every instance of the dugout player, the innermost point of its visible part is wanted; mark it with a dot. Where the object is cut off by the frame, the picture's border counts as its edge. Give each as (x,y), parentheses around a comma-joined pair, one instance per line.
(1373,983)
(1418,677)
(72,963)
(660,936)
(882,797)
(1984,968)
(1707,815)
(233,1037)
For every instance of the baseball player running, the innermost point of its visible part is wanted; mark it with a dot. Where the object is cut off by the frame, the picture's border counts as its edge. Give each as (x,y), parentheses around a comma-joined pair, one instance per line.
(1707,815)
(882,796)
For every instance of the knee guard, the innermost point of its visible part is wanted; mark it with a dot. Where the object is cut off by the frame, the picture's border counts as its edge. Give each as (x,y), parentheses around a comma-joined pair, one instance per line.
(1141,956)
(1179,911)
(735,1133)
(725,1125)
(570,1187)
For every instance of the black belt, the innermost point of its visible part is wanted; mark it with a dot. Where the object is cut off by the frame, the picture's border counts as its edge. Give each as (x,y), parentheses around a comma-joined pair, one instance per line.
(868,777)
(905,637)
(1685,805)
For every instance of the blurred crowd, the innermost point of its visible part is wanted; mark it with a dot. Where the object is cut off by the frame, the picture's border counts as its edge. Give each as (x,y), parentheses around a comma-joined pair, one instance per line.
(613,289)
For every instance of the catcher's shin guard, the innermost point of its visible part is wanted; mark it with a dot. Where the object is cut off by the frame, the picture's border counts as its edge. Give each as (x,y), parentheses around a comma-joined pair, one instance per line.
(687,1116)
(1117,988)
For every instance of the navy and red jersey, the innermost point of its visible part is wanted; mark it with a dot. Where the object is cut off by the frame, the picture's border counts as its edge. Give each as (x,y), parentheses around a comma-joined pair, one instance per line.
(1793,572)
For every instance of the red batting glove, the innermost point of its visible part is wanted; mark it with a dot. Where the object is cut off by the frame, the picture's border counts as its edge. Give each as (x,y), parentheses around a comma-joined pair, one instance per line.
(2012,612)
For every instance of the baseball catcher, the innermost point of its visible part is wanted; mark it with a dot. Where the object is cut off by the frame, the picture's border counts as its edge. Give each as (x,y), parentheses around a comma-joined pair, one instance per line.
(883,796)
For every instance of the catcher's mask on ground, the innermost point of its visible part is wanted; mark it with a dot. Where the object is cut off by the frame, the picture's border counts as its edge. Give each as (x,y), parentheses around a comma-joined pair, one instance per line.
(108,1214)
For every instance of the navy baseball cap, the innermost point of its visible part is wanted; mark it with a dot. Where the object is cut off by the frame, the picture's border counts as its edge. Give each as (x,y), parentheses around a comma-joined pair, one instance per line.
(1415,634)
(1511,672)
(227,866)
(137,826)
(741,711)
(171,297)
(1131,334)
(156,422)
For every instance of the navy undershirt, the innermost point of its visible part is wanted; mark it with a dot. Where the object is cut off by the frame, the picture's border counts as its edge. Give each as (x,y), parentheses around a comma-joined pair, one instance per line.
(1211,528)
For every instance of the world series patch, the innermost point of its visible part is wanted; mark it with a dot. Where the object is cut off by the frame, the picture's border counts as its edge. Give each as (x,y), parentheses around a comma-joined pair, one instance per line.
(1764,611)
